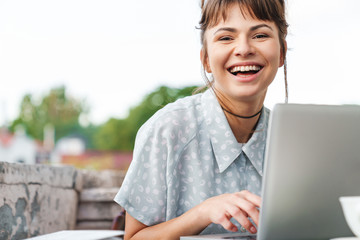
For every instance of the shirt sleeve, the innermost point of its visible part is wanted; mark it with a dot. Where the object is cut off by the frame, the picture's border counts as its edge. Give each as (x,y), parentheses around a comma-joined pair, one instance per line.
(143,193)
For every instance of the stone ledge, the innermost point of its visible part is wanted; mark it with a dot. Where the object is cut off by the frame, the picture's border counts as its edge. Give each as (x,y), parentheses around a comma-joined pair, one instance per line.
(83,225)
(61,177)
(98,211)
(98,194)
(107,178)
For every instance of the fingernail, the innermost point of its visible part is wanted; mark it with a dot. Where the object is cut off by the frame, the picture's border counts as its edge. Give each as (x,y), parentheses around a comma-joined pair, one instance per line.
(252,229)
(234,229)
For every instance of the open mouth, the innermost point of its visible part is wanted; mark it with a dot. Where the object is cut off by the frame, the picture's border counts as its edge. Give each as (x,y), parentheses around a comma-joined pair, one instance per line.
(245,70)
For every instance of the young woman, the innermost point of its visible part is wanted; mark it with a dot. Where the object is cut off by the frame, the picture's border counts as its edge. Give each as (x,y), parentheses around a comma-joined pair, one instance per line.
(198,162)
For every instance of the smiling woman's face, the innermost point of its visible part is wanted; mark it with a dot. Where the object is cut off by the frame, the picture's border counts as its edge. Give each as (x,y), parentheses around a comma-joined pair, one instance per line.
(243,54)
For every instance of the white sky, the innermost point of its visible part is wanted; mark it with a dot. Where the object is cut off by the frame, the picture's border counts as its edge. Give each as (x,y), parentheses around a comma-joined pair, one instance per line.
(113,52)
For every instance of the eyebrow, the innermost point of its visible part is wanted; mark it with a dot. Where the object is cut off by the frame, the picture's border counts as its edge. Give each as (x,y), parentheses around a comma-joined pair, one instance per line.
(260,26)
(226,29)
(253,28)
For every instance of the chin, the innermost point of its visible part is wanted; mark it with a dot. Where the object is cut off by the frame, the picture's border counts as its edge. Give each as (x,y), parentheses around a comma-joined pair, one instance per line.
(249,95)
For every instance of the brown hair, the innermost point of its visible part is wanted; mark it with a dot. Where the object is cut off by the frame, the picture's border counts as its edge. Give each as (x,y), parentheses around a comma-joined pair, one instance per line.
(267,10)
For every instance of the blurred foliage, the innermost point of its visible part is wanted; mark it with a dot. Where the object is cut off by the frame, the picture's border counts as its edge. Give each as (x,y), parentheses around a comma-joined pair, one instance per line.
(63,113)
(119,134)
(113,135)
(56,109)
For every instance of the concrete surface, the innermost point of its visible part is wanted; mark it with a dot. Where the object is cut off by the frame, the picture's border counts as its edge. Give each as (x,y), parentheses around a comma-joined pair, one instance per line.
(36,199)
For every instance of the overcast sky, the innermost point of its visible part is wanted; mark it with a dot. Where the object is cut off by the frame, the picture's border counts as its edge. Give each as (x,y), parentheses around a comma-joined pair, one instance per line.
(113,52)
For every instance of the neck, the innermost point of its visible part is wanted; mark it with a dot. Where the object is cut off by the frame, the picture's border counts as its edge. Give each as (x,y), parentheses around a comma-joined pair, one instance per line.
(242,128)
(243,117)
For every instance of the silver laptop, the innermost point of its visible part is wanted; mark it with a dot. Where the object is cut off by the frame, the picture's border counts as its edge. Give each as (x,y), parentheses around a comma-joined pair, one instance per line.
(312,158)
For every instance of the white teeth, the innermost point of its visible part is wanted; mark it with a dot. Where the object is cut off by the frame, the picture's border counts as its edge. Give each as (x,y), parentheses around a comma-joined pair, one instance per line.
(245,68)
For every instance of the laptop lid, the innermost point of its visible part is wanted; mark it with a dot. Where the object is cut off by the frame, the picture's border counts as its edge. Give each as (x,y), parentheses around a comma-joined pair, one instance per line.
(312,158)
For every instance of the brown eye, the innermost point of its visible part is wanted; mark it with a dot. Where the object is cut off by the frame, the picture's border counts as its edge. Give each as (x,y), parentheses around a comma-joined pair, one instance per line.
(225,38)
(261,36)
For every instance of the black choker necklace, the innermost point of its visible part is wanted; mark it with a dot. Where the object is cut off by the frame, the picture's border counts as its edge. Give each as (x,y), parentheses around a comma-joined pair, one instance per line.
(246,117)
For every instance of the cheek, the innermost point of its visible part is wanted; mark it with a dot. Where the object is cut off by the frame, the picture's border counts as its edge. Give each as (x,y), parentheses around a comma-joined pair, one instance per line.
(273,54)
(270,51)
(216,53)
(274,60)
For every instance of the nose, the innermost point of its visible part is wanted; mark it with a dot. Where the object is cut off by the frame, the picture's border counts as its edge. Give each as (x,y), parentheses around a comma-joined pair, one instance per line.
(243,48)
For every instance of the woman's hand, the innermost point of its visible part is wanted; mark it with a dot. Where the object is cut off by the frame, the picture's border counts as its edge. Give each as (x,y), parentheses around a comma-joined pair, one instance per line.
(219,210)
(240,206)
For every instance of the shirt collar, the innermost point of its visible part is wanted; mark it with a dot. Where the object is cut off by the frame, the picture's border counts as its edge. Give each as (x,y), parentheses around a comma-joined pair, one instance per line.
(225,146)
(255,147)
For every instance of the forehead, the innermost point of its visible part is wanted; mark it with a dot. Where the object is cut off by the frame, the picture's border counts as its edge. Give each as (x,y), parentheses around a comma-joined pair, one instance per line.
(224,11)
(251,11)
(238,19)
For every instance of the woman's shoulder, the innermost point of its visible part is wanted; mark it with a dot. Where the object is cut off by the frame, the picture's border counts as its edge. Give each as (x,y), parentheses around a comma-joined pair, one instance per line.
(187,105)
(182,113)
(169,130)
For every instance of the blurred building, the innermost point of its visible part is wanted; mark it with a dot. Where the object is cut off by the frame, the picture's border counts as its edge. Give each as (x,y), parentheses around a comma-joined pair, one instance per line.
(68,146)
(70,150)
(99,160)
(17,147)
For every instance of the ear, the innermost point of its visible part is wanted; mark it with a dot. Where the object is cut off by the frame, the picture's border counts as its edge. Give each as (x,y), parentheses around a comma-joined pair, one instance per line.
(205,60)
(282,56)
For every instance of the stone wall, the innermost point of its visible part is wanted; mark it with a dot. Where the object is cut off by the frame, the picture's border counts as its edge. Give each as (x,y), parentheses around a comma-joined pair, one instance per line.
(37,199)
(97,209)
(41,199)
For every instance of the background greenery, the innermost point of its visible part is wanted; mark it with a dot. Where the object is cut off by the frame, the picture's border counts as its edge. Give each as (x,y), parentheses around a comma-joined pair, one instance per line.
(64,113)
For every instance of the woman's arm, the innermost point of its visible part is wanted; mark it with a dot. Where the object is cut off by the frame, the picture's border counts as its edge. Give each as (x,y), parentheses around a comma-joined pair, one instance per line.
(186,224)
(219,209)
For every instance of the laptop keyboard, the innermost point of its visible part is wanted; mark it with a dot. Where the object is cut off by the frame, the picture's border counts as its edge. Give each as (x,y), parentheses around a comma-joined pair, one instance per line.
(241,237)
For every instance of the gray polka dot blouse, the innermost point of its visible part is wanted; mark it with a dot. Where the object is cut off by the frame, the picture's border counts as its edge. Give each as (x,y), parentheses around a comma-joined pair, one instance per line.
(185,154)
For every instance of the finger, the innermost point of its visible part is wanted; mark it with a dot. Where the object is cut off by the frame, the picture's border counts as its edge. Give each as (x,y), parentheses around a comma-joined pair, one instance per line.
(249,226)
(253,198)
(227,224)
(249,209)
(241,217)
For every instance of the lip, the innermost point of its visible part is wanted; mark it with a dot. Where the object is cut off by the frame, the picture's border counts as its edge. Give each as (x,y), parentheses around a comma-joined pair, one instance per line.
(243,77)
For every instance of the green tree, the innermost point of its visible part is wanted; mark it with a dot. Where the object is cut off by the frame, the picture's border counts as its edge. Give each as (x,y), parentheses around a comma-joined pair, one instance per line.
(119,134)
(56,108)
(112,135)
